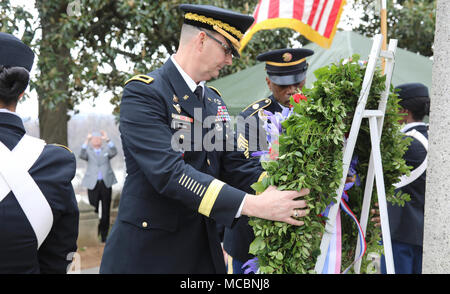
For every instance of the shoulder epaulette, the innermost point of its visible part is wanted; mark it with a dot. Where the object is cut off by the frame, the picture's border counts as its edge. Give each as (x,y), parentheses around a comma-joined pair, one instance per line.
(65,147)
(257,105)
(142,78)
(215,90)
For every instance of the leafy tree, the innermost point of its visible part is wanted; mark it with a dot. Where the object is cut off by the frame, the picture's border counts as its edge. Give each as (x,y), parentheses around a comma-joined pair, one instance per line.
(411,22)
(80,44)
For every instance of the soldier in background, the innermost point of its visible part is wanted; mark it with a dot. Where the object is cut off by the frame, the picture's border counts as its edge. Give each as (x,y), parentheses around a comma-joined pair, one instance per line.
(406,223)
(286,76)
(38,210)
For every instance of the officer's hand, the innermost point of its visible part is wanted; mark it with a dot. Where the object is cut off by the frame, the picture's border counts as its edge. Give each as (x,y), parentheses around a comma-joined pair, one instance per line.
(376,216)
(277,206)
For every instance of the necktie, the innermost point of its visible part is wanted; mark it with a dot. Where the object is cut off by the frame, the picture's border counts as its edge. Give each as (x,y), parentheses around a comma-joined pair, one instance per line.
(199,93)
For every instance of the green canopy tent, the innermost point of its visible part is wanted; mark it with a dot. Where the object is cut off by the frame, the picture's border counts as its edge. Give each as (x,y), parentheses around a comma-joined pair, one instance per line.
(242,88)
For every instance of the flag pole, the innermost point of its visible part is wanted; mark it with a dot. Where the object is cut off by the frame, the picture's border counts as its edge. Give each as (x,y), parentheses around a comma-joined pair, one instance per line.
(383,18)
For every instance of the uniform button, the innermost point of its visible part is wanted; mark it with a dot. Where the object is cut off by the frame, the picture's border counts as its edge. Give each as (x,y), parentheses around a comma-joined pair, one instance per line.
(207,160)
(144,224)
(181,137)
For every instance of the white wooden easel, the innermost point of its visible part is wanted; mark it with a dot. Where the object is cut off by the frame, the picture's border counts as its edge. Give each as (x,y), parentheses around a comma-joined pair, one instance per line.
(375,171)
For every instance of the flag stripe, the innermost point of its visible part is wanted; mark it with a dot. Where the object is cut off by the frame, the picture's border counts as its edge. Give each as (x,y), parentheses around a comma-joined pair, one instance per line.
(287,9)
(263,11)
(317,14)
(274,9)
(315,19)
(313,12)
(324,5)
(332,18)
(256,14)
(326,17)
(298,9)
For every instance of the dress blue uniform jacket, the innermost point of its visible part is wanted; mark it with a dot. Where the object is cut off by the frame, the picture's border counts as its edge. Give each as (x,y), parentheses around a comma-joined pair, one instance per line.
(53,173)
(238,239)
(406,223)
(174,197)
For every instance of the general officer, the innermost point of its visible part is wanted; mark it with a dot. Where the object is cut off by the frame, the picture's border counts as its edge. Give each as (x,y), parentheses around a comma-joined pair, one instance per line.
(185,175)
(38,209)
(406,223)
(286,76)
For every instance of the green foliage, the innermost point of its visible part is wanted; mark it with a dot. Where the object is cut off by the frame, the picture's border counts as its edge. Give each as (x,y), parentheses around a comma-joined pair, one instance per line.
(311,157)
(411,22)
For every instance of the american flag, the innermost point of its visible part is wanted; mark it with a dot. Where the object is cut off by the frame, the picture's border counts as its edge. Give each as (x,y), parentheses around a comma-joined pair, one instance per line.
(317,20)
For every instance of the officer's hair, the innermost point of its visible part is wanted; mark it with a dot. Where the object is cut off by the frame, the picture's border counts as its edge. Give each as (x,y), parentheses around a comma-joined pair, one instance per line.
(418,106)
(13,81)
(189,31)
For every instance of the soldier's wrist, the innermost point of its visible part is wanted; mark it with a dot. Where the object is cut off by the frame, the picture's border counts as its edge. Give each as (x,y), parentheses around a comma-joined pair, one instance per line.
(248,205)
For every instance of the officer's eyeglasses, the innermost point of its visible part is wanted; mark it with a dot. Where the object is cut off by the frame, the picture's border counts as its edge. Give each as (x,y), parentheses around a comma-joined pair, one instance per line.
(226,48)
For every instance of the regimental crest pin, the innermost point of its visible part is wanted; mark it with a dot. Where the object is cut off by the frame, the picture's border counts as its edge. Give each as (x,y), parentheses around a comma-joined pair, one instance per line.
(287,57)
(185,97)
(175,98)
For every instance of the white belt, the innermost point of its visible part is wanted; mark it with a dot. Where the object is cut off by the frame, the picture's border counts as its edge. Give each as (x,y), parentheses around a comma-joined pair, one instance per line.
(416,173)
(14,176)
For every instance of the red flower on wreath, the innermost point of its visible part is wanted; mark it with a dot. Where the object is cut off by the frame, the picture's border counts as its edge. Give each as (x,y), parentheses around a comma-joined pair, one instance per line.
(298,97)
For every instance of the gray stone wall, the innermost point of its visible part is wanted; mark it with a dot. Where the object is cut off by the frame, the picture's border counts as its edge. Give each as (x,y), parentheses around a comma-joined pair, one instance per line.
(436,249)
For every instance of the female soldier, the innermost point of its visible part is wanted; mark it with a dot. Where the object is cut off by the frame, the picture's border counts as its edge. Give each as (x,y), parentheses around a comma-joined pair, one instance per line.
(38,209)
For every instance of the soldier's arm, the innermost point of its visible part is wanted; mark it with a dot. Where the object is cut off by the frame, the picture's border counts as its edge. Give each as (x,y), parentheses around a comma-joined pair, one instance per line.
(56,251)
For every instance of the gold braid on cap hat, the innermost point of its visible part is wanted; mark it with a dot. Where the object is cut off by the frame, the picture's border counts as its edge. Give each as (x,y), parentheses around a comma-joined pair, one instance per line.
(284,63)
(218,26)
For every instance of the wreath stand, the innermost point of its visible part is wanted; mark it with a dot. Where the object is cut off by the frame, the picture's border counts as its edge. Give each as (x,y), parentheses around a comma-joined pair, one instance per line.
(375,171)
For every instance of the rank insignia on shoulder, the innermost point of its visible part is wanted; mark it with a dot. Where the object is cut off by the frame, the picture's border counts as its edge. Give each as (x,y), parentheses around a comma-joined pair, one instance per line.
(258,105)
(65,147)
(141,78)
(215,90)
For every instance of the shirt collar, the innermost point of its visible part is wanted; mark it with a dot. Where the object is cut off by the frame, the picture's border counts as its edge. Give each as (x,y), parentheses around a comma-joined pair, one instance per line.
(8,111)
(189,81)
(411,125)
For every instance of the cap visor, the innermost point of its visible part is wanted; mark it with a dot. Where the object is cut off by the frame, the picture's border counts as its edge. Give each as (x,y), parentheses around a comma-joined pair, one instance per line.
(288,80)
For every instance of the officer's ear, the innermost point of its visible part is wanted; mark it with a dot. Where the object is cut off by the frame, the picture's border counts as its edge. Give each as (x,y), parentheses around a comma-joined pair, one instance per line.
(269,83)
(201,38)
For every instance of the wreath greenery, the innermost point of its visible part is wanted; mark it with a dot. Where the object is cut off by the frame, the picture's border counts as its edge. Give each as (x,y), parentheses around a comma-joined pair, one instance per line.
(310,155)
